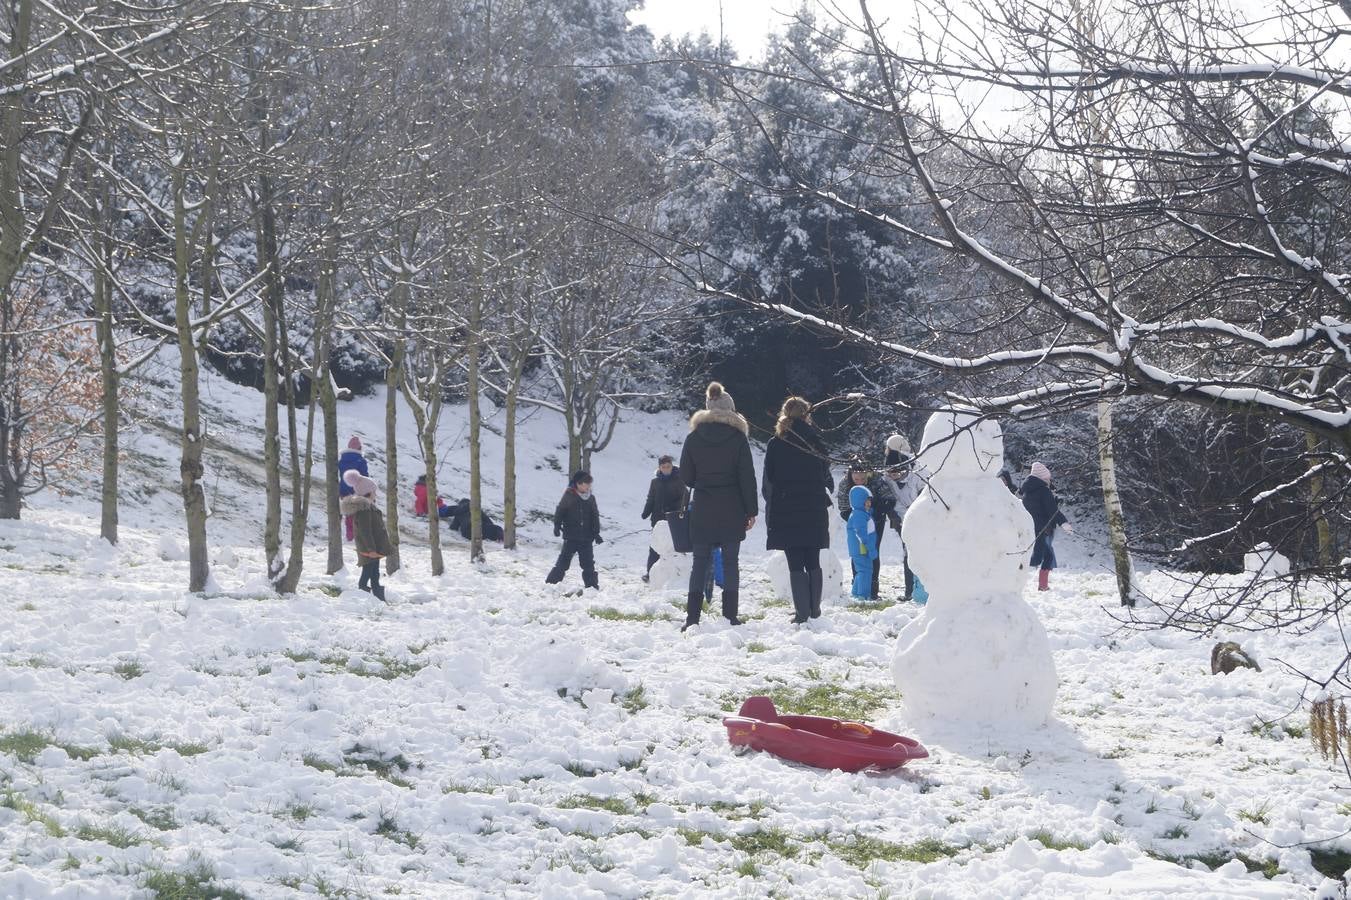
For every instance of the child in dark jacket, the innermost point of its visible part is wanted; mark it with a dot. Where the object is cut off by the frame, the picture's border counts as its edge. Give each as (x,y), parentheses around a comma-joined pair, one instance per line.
(1044,507)
(577,521)
(372,540)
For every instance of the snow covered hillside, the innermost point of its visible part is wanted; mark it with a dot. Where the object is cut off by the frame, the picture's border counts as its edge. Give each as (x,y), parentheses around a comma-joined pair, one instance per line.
(485,735)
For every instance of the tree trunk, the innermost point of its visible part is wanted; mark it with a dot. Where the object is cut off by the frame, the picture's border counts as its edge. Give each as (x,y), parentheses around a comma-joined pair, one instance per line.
(509,456)
(475,424)
(301,465)
(393,379)
(1111,502)
(426,420)
(107,345)
(266,242)
(328,400)
(190,464)
(12,124)
(1317,502)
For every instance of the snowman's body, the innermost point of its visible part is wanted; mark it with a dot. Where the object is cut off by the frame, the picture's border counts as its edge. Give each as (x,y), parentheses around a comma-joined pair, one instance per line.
(978,653)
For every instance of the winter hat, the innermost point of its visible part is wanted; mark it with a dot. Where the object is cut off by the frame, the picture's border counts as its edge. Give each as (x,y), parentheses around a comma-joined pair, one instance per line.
(717,398)
(1040,471)
(856,464)
(354,443)
(898,450)
(360,484)
(857,499)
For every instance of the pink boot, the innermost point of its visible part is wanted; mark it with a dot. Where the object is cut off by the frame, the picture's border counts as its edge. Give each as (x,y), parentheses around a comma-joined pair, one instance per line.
(1043,577)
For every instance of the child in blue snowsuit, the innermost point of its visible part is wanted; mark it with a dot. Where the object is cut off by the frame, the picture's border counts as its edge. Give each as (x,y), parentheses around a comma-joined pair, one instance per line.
(861,534)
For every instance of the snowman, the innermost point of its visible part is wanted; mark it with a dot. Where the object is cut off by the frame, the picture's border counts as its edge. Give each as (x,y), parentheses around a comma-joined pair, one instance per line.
(672,571)
(977,654)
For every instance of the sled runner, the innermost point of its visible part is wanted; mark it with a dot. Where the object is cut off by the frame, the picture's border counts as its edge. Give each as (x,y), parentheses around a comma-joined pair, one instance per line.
(817,740)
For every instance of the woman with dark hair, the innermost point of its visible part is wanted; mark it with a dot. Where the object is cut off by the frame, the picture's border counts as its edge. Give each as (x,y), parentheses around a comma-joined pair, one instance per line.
(796,486)
(716,466)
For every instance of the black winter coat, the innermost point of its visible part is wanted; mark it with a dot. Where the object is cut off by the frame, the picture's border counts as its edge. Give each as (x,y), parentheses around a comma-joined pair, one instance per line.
(796,485)
(577,520)
(664,496)
(1041,502)
(716,465)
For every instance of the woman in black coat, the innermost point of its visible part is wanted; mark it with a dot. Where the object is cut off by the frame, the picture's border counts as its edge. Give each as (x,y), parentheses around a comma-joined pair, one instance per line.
(716,466)
(796,486)
(1044,507)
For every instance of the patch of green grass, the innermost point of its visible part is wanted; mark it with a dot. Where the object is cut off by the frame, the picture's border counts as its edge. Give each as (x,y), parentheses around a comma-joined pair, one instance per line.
(387,768)
(587,801)
(24,745)
(1176,833)
(71,863)
(765,840)
(27,607)
(835,699)
(114,835)
(197,882)
(160,818)
(388,828)
(610,614)
(1329,862)
(748,869)
(734,811)
(331,590)
(694,837)
(861,851)
(299,811)
(986,793)
(1216,858)
(293,844)
(756,647)
(634,699)
(1051,842)
(32,812)
(318,762)
(189,749)
(129,669)
(866,606)
(581,770)
(122,742)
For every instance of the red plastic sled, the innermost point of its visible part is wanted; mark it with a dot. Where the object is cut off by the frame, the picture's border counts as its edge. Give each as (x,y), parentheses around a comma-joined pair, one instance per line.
(817,740)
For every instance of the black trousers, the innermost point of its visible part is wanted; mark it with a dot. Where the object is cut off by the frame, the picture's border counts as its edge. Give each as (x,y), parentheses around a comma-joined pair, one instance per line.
(585,553)
(803,559)
(699,573)
(370,574)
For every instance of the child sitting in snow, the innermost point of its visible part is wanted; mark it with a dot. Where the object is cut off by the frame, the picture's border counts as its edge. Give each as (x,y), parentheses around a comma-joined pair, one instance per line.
(372,541)
(577,521)
(861,532)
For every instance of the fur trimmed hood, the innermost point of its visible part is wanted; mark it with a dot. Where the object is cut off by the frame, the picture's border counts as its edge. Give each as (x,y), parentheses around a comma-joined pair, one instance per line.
(354,503)
(720,417)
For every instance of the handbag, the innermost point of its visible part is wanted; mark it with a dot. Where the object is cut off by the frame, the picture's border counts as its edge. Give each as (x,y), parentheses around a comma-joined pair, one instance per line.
(679,523)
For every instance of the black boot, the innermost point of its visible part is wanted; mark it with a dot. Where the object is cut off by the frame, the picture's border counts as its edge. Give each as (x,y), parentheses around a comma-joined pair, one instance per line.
(554,577)
(729,604)
(379,591)
(802,596)
(814,594)
(591,581)
(694,605)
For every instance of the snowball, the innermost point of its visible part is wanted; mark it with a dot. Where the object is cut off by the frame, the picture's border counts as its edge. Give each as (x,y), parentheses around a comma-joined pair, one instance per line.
(1264,560)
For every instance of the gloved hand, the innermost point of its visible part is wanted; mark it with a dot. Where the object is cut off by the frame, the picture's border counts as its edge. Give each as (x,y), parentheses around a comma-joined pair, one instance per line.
(558,532)
(1069,529)
(862,551)
(599,539)
(895,523)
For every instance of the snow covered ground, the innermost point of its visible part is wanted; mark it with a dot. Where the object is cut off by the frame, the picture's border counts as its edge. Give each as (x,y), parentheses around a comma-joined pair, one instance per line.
(484,735)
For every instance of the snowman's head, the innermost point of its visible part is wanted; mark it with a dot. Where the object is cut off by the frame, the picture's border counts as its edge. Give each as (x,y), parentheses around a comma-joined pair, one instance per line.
(959,444)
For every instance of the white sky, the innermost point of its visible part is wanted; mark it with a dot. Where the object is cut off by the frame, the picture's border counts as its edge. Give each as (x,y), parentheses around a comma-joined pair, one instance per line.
(744,22)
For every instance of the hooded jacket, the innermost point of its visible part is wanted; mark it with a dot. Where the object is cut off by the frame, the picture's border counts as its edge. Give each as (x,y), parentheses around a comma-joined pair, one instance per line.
(861,529)
(350,459)
(716,465)
(368,523)
(884,499)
